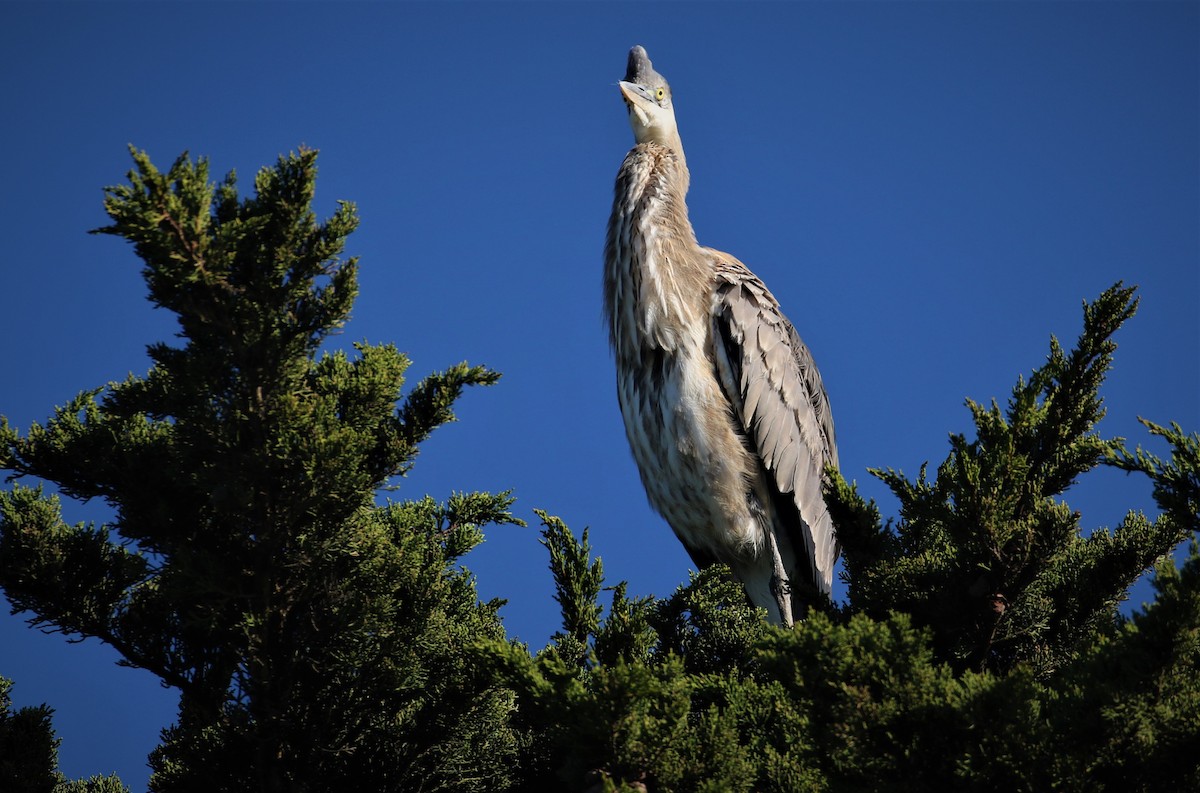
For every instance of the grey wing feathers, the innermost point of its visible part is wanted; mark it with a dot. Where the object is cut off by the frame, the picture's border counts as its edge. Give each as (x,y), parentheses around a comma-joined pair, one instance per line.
(780,400)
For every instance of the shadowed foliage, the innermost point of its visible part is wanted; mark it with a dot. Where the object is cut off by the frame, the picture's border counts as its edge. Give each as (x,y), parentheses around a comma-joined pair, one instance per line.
(315,638)
(321,640)
(981,647)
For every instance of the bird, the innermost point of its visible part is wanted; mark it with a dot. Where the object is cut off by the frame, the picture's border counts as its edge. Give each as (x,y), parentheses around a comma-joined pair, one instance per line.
(725,412)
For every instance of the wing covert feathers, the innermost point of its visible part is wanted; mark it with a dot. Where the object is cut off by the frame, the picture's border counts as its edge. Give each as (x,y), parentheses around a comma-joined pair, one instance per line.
(777,394)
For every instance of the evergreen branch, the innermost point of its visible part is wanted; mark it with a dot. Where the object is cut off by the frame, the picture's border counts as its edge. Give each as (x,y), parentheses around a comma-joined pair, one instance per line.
(979,552)
(430,404)
(577,582)
(1177,481)
(316,640)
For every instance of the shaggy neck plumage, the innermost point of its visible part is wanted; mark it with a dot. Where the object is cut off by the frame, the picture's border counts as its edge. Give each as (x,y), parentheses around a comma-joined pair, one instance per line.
(655,272)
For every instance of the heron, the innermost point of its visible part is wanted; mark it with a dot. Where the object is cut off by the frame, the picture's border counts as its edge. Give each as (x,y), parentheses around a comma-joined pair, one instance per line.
(724,409)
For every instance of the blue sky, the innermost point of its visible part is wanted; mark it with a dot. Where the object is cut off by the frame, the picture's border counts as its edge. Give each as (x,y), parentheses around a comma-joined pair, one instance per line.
(930,189)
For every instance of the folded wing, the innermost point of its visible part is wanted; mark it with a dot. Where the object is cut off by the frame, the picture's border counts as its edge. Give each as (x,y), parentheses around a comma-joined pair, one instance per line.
(776,391)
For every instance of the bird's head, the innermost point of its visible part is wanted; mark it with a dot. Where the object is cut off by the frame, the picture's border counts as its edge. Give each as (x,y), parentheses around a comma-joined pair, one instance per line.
(649,100)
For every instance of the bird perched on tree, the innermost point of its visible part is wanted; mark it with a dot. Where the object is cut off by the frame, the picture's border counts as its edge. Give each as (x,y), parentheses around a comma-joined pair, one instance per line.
(724,409)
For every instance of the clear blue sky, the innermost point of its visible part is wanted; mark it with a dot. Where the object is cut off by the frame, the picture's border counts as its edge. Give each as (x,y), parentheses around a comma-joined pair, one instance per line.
(930,189)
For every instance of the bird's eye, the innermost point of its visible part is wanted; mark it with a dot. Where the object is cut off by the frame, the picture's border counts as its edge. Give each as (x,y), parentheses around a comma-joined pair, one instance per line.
(660,94)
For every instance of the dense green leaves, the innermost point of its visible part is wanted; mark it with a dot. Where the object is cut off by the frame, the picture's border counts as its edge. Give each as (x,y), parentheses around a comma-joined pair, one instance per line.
(981,647)
(28,749)
(1138,694)
(988,555)
(321,641)
(316,638)
(29,753)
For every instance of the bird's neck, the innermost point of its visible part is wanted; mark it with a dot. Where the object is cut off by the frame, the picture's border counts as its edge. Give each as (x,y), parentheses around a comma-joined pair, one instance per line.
(657,280)
(676,145)
(670,140)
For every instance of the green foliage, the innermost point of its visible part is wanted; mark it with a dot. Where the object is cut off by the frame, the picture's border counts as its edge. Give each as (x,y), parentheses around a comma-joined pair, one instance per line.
(28,748)
(321,641)
(618,706)
(981,648)
(29,753)
(987,555)
(712,698)
(1138,694)
(577,583)
(95,784)
(1176,483)
(316,639)
(380,696)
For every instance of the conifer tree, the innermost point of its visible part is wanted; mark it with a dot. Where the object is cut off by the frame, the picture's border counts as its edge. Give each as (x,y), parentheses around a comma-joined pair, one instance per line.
(28,749)
(981,647)
(29,753)
(988,556)
(322,642)
(315,638)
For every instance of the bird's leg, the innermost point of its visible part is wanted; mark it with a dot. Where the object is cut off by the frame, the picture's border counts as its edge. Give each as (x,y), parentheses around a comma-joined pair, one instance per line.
(781,585)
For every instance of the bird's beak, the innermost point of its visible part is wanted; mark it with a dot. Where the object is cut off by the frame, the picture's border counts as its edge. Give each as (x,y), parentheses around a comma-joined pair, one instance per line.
(634,93)
(637,98)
